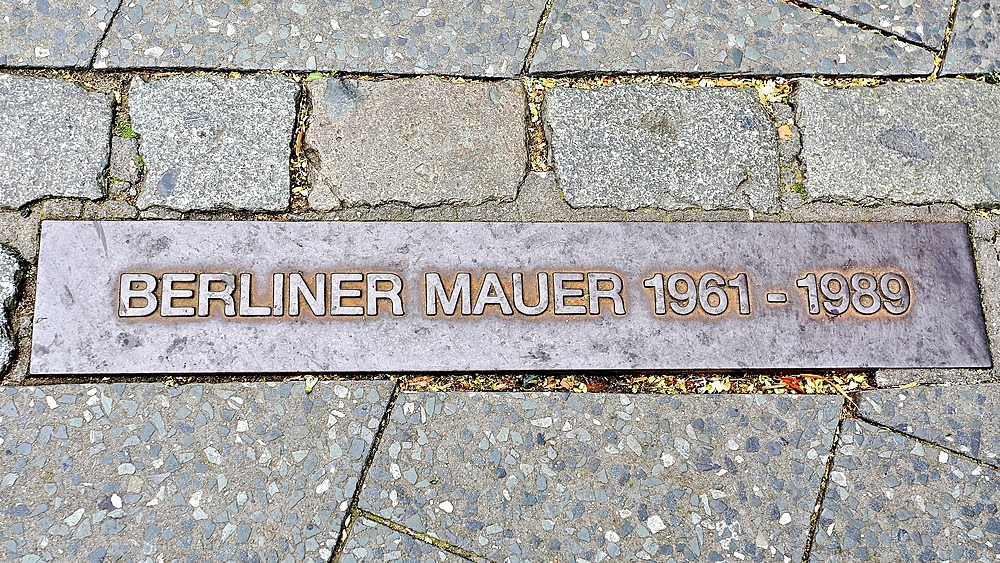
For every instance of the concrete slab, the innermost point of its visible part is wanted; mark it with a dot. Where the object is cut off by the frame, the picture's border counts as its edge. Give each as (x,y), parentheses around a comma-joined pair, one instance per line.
(892,499)
(404,37)
(120,297)
(134,472)
(541,477)
(975,42)
(53,33)
(761,37)
(965,418)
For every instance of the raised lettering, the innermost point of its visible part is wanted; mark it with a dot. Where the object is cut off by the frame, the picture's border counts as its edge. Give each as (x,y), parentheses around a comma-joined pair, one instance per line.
(298,289)
(492,293)
(246,297)
(392,294)
(338,293)
(168,294)
(614,293)
(543,294)
(127,294)
(435,290)
(206,294)
(559,280)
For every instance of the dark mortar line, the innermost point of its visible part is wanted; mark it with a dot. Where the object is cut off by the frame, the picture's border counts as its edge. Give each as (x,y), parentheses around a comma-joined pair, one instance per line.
(104,36)
(347,522)
(949,32)
(537,37)
(426,538)
(859,24)
(823,484)
(928,443)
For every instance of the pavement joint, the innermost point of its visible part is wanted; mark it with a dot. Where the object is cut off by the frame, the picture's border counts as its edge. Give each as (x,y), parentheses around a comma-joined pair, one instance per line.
(426,538)
(359,485)
(929,443)
(104,35)
(858,24)
(542,20)
(949,31)
(823,484)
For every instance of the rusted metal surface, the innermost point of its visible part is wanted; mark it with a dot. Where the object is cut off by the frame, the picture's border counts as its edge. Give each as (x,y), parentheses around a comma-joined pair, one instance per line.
(234,297)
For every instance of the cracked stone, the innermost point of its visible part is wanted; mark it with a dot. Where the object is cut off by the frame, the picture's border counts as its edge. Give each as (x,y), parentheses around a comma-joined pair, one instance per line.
(52,33)
(919,143)
(10,273)
(213,143)
(975,42)
(371,542)
(633,146)
(54,140)
(421,142)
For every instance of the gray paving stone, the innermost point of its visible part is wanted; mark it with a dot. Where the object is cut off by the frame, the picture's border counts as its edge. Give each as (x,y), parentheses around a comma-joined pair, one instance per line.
(421,142)
(136,472)
(922,21)
(408,36)
(891,498)
(632,146)
(215,143)
(756,37)
(919,143)
(52,33)
(964,418)
(370,542)
(54,140)
(10,273)
(975,41)
(542,477)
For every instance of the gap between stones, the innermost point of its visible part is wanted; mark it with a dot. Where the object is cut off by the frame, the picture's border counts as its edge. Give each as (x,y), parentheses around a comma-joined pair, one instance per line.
(351,514)
(824,481)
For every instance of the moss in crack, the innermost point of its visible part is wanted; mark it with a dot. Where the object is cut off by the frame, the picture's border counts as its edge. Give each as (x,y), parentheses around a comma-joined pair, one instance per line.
(124,130)
(800,189)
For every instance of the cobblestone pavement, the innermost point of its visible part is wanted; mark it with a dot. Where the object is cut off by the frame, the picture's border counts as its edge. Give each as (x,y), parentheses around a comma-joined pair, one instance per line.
(521,110)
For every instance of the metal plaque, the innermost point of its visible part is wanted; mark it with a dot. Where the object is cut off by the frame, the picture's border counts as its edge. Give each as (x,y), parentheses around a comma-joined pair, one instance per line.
(225,297)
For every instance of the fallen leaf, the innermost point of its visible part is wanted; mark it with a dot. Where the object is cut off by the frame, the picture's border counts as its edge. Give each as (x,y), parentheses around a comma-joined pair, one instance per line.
(420,382)
(792,383)
(568,383)
(785,133)
(725,82)
(597,386)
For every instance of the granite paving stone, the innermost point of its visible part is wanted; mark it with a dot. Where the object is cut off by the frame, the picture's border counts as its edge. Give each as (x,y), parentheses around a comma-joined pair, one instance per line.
(210,142)
(10,273)
(524,477)
(919,143)
(965,418)
(892,498)
(52,33)
(139,472)
(422,142)
(370,542)
(975,41)
(488,38)
(921,21)
(755,37)
(54,140)
(652,145)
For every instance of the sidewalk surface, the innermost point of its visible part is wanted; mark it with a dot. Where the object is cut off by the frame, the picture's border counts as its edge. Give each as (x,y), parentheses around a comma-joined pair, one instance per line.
(523,110)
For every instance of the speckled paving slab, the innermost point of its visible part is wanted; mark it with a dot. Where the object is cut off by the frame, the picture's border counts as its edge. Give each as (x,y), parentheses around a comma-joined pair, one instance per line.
(965,418)
(891,498)
(758,37)
(406,36)
(136,472)
(921,21)
(975,42)
(52,33)
(371,542)
(541,477)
